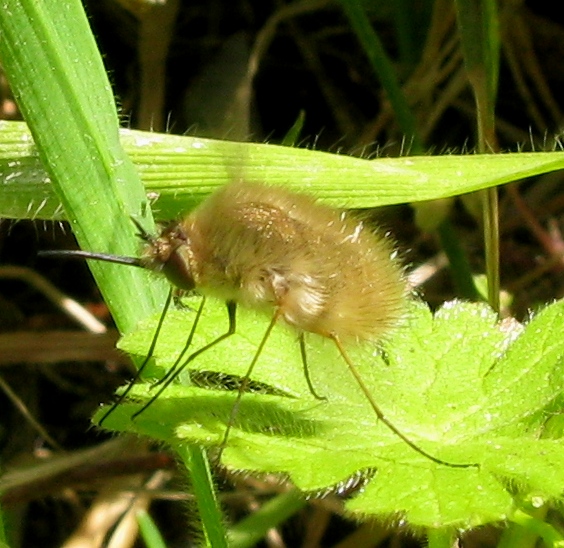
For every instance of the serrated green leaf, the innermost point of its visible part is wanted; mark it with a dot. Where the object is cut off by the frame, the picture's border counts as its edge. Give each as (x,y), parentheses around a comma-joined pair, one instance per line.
(458,383)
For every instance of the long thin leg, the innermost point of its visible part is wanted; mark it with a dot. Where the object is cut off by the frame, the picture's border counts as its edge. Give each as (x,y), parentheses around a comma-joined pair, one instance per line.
(145,361)
(245,383)
(301,339)
(187,345)
(231,312)
(381,416)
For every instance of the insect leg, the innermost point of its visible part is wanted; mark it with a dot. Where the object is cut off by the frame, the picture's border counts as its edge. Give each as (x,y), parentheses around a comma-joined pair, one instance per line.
(245,382)
(231,312)
(187,345)
(145,361)
(301,339)
(383,419)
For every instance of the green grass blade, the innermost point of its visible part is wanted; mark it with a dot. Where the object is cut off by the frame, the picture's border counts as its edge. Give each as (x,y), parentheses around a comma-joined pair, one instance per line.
(58,78)
(382,66)
(179,172)
(194,458)
(3,536)
(479,31)
(248,532)
(149,530)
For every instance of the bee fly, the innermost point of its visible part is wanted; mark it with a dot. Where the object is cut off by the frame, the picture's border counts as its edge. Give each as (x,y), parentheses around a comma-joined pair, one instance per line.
(269,249)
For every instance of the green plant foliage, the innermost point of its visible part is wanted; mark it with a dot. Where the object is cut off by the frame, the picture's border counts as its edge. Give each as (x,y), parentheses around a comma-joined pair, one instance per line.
(462,386)
(179,172)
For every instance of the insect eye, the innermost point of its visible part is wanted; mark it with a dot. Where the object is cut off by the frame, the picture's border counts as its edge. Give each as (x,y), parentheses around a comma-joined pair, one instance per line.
(178,270)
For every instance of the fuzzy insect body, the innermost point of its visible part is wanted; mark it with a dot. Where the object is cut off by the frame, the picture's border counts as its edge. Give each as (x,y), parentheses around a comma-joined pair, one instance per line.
(268,248)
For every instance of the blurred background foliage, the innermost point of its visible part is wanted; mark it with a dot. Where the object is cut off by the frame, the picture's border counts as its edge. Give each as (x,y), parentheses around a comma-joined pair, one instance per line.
(247,69)
(257,70)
